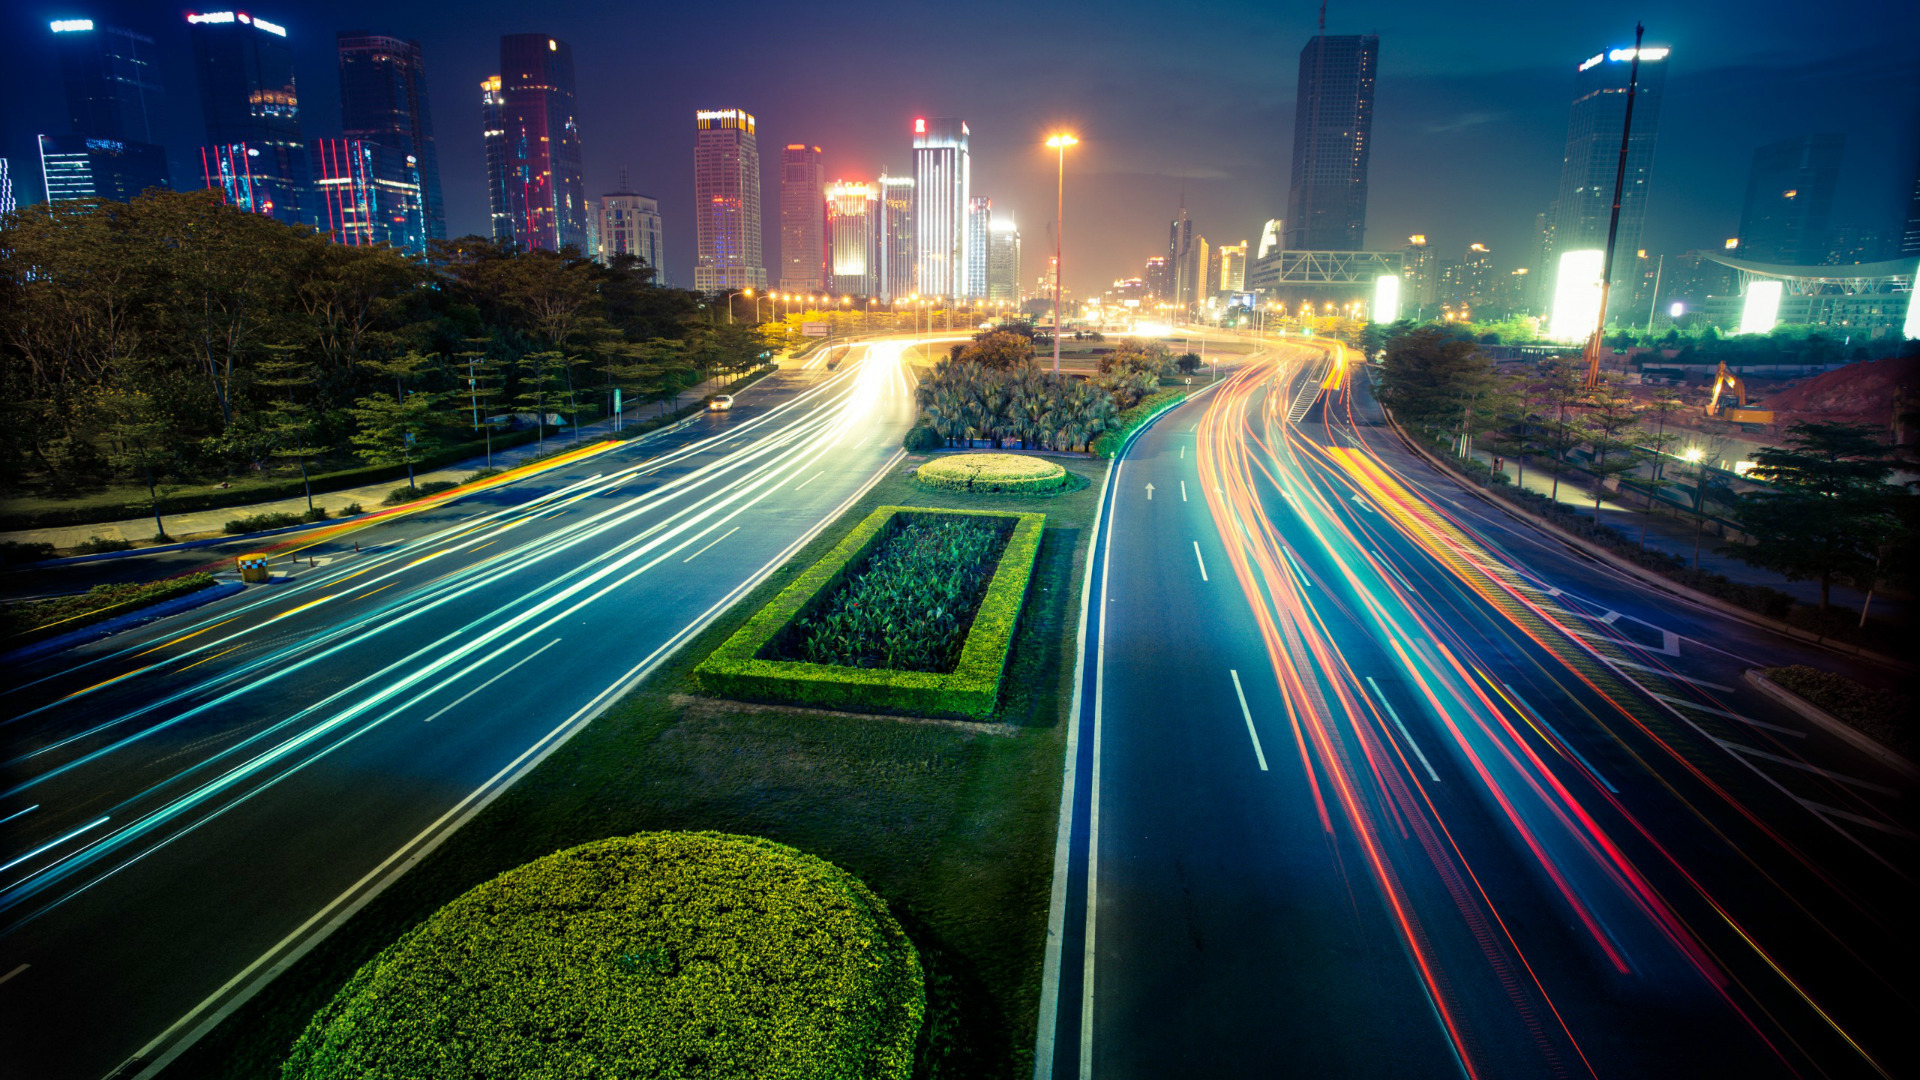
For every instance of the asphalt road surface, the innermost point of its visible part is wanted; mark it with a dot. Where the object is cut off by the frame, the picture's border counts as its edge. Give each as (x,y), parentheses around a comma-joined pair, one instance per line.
(1372,779)
(184,804)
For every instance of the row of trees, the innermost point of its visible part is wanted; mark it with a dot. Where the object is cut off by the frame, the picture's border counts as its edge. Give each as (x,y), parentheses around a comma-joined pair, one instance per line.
(991,389)
(1826,512)
(175,336)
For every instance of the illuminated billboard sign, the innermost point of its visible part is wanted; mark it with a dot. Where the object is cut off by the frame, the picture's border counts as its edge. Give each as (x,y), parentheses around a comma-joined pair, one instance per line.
(1761,309)
(1576,295)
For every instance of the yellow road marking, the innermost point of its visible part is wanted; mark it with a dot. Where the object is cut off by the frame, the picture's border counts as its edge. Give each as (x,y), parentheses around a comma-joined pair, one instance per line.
(182,638)
(215,656)
(109,682)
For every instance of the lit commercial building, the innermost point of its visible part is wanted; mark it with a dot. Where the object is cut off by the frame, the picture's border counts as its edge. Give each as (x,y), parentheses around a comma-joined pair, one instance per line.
(1862,300)
(803,219)
(979,228)
(853,213)
(369,193)
(1158,277)
(592,248)
(1183,275)
(1419,283)
(898,265)
(630,225)
(1233,268)
(1271,233)
(112,80)
(542,196)
(383,101)
(941,181)
(726,198)
(1585,204)
(249,99)
(8,203)
(1476,277)
(1003,261)
(79,167)
(1790,199)
(1332,140)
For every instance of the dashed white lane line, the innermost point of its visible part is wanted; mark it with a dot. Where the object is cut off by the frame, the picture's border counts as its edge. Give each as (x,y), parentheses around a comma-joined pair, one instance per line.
(490,682)
(808,480)
(1404,733)
(15,971)
(1183,491)
(1247,714)
(710,543)
(1201,561)
(1750,751)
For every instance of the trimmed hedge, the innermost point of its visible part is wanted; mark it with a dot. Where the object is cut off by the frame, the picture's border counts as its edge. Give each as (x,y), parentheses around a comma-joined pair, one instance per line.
(969,692)
(1109,444)
(35,620)
(658,955)
(1878,714)
(1002,474)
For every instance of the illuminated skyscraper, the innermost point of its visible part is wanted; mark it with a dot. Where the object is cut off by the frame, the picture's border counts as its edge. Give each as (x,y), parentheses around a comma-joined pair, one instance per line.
(544,198)
(979,227)
(630,225)
(1003,260)
(1332,138)
(1419,284)
(1790,199)
(941,175)
(803,219)
(383,101)
(726,198)
(113,94)
(1476,276)
(493,128)
(1233,268)
(1182,275)
(8,204)
(252,110)
(898,266)
(1585,205)
(1158,278)
(852,222)
(77,167)
(369,193)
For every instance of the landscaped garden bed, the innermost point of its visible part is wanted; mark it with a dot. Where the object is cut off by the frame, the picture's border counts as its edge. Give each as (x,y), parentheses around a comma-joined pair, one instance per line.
(999,474)
(35,620)
(686,954)
(1881,715)
(912,613)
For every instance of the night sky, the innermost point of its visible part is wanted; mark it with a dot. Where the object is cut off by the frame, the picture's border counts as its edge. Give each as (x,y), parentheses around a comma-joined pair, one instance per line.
(1470,123)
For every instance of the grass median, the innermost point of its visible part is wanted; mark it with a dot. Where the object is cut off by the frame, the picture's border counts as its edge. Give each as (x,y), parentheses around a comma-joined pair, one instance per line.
(951,823)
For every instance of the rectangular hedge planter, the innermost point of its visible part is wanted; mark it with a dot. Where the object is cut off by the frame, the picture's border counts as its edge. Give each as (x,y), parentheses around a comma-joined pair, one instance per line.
(966,693)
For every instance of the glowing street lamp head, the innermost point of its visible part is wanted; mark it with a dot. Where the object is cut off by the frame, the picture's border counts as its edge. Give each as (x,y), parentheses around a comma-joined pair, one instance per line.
(1061,141)
(1694,454)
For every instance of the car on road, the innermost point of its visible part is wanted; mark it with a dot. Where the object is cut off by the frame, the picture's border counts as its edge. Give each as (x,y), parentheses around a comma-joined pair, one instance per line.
(720,403)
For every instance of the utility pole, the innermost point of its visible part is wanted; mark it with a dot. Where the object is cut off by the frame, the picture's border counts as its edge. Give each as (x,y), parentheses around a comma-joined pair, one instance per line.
(1595,343)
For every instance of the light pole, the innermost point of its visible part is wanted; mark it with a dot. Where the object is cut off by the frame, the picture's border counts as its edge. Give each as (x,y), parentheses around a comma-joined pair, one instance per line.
(1059,143)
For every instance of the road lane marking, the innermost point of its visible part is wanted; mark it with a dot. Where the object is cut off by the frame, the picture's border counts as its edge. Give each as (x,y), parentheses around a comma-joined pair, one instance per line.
(1823,809)
(1408,735)
(1201,561)
(490,682)
(1685,704)
(1742,748)
(19,813)
(712,542)
(15,971)
(810,479)
(1093,811)
(1665,674)
(1247,714)
(1297,567)
(1149,491)
(1183,491)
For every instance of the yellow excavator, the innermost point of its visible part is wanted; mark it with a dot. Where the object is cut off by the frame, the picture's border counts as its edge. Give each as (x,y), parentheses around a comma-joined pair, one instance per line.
(1740,414)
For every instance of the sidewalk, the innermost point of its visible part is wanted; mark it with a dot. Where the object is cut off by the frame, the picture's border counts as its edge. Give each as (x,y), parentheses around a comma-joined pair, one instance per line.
(202,523)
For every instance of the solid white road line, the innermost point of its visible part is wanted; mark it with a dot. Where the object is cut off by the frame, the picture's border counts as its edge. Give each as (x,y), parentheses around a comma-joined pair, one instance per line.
(1404,733)
(1828,773)
(1247,714)
(490,682)
(15,971)
(1665,674)
(1201,561)
(714,541)
(1762,724)
(809,479)
(1093,816)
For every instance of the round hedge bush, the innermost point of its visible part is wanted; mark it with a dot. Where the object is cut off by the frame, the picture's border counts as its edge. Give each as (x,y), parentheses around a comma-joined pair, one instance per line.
(658,955)
(1005,474)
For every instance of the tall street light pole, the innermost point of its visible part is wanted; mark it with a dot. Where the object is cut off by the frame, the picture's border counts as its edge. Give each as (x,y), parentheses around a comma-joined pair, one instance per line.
(1060,143)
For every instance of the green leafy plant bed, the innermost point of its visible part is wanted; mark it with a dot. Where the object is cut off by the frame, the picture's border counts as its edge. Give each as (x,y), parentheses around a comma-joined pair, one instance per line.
(38,619)
(1004,474)
(933,594)
(1109,444)
(664,954)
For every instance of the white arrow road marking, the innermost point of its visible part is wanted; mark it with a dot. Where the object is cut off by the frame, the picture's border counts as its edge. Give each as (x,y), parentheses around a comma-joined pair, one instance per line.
(1149,492)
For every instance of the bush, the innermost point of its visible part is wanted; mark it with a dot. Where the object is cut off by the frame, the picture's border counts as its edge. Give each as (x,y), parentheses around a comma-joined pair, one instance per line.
(262,522)
(100,545)
(921,437)
(36,619)
(14,551)
(968,692)
(350,510)
(420,491)
(1134,419)
(663,954)
(482,474)
(977,474)
(1877,713)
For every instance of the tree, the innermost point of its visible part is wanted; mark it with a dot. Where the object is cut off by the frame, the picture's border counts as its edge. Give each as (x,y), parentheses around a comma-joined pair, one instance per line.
(290,422)
(1612,437)
(1828,510)
(998,350)
(1188,363)
(137,434)
(394,431)
(1433,381)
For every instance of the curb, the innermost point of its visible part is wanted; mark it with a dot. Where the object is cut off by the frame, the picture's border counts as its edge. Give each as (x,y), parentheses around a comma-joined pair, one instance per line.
(185,545)
(95,631)
(1860,740)
(1657,581)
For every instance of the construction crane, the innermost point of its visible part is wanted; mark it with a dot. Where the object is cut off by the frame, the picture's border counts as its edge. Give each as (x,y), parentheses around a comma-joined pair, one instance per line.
(1595,343)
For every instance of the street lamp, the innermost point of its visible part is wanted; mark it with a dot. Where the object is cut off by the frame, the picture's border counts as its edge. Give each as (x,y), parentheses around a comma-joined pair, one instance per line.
(1059,143)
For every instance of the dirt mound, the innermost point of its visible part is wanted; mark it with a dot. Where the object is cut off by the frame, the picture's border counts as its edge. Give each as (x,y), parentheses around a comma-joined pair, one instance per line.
(1859,393)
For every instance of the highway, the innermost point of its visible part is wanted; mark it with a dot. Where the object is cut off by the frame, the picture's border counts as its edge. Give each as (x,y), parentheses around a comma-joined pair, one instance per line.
(1369,778)
(185,805)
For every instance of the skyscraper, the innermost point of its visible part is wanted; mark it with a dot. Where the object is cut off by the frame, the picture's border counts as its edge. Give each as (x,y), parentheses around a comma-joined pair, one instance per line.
(77,167)
(898,266)
(1158,277)
(1182,273)
(369,193)
(112,81)
(852,220)
(803,219)
(8,204)
(1790,199)
(1418,285)
(630,225)
(1003,260)
(1233,268)
(252,110)
(591,249)
(493,129)
(383,101)
(979,227)
(941,175)
(1587,172)
(1332,137)
(1476,276)
(726,198)
(543,197)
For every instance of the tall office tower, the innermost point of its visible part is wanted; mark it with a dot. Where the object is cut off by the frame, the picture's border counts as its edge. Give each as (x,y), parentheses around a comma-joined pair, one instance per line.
(853,227)
(1476,276)
(979,226)
(1180,268)
(544,198)
(252,111)
(493,129)
(1271,232)
(78,167)
(803,219)
(1910,232)
(369,193)
(1003,261)
(1158,277)
(630,225)
(726,198)
(8,204)
(1417,284)
(383,100)
(941,181)
(1203,270)
(1790,199)
(1592,160)
(898,266)
(113,96)
(1332,137)
(592,248)
(1233,268)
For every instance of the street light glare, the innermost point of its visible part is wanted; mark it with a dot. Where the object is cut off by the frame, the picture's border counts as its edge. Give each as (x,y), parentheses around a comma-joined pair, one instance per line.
(1060,141)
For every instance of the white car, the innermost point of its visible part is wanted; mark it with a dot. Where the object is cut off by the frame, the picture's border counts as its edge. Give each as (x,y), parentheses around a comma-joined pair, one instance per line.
(720,403)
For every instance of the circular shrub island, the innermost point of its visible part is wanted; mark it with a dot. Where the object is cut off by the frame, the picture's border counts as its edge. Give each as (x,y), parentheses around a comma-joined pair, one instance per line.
(993,474)
(657,955)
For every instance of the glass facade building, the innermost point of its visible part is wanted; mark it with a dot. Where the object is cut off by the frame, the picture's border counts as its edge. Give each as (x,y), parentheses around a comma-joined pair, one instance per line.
(1585,205)
(80,167)
(630,225)
(537,195)
(1790,200)
(979,227)
(803,219)
(369,193)
(1003,260)
(941,179)
(383,101)
(853,222)
(1332,140)
(898,266)
(250,100)
(726,197)
(114,96)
